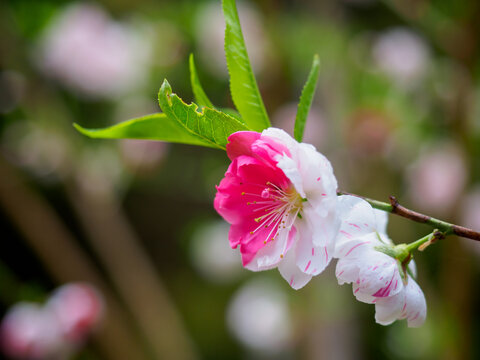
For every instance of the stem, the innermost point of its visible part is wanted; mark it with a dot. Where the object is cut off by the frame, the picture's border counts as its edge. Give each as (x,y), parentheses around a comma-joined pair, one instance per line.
(414,245)
(395,208)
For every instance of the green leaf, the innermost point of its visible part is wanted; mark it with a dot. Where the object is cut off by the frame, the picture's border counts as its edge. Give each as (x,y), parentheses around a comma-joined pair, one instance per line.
(150,127)
(243,86)
(306,100)
(200,97)
(209,125)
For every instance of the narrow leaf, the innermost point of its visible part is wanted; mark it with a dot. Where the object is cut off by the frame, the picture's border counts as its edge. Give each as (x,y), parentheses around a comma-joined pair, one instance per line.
(200,97)
(306,99)
(243,86)
(150,127)
(208,125)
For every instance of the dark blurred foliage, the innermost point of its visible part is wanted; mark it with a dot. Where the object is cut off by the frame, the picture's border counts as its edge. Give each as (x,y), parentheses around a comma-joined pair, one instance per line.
(397,111)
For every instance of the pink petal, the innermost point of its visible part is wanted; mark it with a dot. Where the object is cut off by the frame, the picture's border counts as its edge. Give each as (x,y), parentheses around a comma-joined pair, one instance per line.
(240,143)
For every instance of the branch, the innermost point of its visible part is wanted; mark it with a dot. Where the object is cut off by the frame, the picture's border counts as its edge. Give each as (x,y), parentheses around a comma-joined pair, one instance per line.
(395,208)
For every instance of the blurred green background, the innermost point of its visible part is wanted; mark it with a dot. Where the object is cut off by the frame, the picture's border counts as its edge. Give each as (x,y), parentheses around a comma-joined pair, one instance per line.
(397,112)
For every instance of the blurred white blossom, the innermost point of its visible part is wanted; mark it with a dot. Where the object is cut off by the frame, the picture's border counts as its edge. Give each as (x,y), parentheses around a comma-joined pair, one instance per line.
(401,54)
(259,317)
(41,149)
(92,54)
(212,255)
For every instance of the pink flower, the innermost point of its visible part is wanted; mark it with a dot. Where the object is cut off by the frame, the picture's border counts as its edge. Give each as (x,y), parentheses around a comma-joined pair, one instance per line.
(280,198)
(376,277)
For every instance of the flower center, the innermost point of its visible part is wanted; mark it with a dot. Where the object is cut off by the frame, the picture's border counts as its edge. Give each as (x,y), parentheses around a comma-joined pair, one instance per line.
(277,209)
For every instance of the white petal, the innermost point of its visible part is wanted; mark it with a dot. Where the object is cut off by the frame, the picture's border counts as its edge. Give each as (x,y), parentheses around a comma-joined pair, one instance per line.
(357,219)
(346,271)
(379,275)
(376,273)
(309,171)
(290,168)
(415,310)
(271,254)
(408,304)
(282,136)
(319,182)
(381,218)
(387,310)
(290,271)
(361,296)
(323,229)
(310,258)
(355,248)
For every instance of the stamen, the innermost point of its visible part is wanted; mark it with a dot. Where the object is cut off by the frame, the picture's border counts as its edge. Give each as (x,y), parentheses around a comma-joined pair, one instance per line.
(281,208)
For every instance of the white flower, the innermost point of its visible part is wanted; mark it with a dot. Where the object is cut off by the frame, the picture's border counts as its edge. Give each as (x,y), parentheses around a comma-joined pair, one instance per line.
(259,317)
(375,276)
(280,198)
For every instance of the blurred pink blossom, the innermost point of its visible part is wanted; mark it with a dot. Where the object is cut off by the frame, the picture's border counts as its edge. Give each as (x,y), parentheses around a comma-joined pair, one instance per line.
(55,330)
(437,179)
(30,332)
(90,53)
(78,308)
